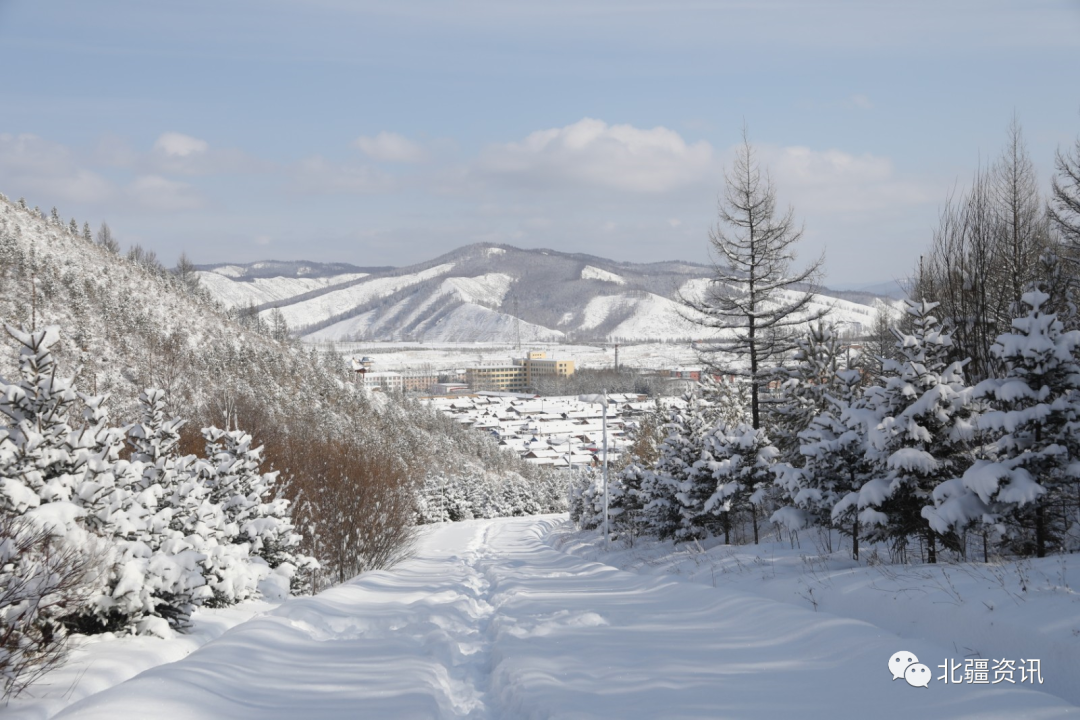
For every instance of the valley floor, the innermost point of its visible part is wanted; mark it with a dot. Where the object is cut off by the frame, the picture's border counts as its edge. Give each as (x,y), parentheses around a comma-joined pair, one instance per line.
(510,618)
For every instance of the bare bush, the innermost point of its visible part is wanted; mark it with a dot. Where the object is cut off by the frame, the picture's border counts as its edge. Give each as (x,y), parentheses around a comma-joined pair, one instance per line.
(354,504)
(43,578)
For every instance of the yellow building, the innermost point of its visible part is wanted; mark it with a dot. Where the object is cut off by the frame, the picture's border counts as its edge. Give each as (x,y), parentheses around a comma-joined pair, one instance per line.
(504,378)
(518,375)
(537,365)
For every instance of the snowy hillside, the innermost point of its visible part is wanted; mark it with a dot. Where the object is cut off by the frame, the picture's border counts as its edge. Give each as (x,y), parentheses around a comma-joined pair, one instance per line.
(485,293)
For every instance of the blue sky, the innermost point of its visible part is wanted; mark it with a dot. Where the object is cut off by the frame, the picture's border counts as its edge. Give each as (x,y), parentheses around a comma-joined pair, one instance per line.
(385,133)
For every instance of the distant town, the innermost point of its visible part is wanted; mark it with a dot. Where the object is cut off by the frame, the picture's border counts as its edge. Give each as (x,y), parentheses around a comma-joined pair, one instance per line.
(562,432)
(519,375)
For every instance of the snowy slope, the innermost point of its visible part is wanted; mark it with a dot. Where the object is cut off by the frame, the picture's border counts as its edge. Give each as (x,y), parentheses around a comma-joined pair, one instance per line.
(326,306)
(463,323)
(488,289)
(488,621)
(592,273)
(230,293)
(656,317)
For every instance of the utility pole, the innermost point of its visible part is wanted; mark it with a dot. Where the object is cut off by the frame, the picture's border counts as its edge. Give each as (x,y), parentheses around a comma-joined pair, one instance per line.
(517,325)
(607,534)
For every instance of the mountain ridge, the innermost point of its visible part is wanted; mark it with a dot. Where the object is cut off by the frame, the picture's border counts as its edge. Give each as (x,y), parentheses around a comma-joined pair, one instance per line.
(490,292)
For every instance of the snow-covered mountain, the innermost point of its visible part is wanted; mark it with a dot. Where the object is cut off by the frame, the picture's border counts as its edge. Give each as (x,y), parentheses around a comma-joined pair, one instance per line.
(488,292)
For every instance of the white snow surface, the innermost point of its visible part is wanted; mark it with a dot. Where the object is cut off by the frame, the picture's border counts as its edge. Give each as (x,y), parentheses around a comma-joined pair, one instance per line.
(489,619)
(598,309)
(232,293)
(594,273)
(99,662)
(487,289)
(656,318)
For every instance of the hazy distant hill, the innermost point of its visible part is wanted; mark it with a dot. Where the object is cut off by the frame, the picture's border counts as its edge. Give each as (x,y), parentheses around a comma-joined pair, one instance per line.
(485,292)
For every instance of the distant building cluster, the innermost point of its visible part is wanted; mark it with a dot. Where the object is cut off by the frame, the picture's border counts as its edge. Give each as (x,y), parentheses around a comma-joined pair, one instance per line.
(515,376)
(561,432)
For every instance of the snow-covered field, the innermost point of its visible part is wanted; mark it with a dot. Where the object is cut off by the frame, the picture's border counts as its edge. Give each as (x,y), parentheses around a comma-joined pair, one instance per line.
(1026,609)
(409,356)
(523,617)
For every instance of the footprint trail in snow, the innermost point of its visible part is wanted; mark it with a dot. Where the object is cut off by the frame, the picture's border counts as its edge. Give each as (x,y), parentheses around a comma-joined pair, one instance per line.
(488,622)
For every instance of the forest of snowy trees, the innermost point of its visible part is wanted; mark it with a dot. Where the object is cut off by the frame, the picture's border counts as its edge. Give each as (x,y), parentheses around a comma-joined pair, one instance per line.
(961,436)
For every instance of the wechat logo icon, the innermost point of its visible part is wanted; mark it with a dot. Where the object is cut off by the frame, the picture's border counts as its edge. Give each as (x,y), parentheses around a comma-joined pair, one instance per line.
(905,666)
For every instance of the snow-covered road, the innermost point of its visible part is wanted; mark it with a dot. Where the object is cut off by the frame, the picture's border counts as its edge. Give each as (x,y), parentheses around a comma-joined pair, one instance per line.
(488,621)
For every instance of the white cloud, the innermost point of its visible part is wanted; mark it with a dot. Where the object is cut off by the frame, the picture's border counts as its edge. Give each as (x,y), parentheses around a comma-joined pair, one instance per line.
(592,153)
(32,165)
(174,153)
(174,144)
(154,192)
(390,147)
(836,181)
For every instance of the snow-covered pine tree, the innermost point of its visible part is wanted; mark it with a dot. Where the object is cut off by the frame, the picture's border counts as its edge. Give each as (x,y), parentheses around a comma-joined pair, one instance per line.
(178,531)
(803,394)
(48,562)
(40,463)
(669,497)
(100,444)
(155,436)
(587,498)
(738,462)
(628,504)
(835,466)
(433,505)
(925,424)
(1029,481)
(729,396)
(480,494)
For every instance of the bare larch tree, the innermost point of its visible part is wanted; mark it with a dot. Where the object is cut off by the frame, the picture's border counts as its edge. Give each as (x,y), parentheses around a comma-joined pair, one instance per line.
(753,301)
(985,254)
(1065,196)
